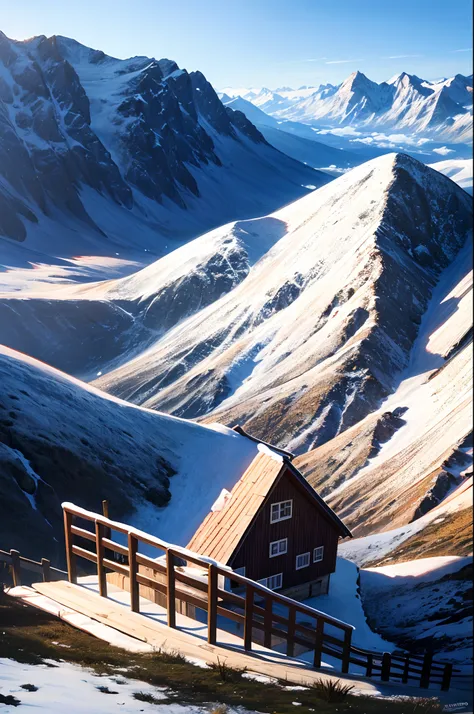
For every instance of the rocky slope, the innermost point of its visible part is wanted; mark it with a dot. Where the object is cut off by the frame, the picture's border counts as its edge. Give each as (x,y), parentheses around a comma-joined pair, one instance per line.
(95,150)
(315,336)
(403,459)
(61,440)
(316,328)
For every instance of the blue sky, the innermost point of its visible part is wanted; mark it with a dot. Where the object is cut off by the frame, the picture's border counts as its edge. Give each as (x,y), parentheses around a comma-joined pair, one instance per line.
(264,42)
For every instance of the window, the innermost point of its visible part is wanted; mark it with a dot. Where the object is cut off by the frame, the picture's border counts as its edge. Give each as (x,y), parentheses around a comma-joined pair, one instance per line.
(278,547)
(273,582)
(302,561)
(235,583)
(281,511)
(318,554)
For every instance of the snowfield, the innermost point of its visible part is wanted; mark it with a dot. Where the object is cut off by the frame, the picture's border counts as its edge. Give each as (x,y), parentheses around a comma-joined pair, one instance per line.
(458,170)
(423,599)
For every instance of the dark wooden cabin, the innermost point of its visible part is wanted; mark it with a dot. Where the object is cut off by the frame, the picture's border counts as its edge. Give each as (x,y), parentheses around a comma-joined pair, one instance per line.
(273,528)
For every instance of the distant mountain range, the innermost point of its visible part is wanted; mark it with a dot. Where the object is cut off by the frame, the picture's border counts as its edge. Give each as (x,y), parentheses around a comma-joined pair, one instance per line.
(441,110)
(97,151)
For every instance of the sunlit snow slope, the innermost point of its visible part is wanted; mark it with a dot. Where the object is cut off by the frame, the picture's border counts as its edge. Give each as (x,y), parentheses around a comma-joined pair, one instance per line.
(62,440)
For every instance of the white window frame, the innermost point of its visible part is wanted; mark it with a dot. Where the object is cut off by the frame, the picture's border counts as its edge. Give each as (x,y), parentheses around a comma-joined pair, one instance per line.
(316,559)
(282,547)
(278,585)
(279,517)
(267,581)
(303,555)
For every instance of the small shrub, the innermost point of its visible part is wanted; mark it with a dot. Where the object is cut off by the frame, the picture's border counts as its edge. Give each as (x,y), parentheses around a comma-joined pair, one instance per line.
(331,690)
(226,673)
(427,705)
(146,697)
(29,687)
(170,656)
(221,709)
(9,699)
(106,690)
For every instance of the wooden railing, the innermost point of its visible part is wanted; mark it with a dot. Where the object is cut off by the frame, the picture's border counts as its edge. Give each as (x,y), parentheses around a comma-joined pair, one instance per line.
(254,610)
(18,563)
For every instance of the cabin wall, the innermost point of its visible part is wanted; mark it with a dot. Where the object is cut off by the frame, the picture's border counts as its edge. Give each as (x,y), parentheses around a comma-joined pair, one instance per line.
(306,529)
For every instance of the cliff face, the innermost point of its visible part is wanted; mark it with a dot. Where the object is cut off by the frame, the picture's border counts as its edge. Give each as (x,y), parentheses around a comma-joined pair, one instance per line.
(130,131)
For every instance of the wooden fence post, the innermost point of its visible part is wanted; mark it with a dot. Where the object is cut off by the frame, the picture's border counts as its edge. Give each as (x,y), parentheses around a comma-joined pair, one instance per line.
(16,567)
(211,604)
(70,557)
(46,565)
(248,622)
(132,573)
(100,551)
(268,623)
(426,670)
(446,681)
(386,664)
(290,637)
(406,670)
(109,554)
(346,651)
(171,590)
(318,645)
(370,665)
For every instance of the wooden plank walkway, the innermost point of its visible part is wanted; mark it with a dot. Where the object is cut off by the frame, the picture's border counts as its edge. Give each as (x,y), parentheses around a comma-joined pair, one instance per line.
(230,648)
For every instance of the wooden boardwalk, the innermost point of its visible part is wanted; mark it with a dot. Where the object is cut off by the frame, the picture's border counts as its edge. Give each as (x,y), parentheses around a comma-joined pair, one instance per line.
(185,584)
(80,599)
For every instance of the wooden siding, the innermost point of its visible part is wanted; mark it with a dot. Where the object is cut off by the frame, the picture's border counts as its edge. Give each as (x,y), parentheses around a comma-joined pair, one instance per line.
(306,529)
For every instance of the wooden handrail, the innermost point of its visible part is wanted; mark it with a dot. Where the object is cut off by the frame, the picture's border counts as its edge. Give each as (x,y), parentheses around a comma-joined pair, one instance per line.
(254,615)
(19,563)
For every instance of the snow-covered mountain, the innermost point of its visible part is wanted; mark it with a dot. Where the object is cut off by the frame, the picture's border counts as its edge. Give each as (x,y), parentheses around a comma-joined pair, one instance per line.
(310,342)
(62,440)
(441,110)
(417,447)
(95,150)
(337,327)
(296,324)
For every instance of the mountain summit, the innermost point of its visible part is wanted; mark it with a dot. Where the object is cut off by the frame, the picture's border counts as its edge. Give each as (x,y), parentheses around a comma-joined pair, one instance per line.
(442,109)
(96,150)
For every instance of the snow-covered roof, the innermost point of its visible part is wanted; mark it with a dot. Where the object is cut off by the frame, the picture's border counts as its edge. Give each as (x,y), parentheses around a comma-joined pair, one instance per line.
(223,529)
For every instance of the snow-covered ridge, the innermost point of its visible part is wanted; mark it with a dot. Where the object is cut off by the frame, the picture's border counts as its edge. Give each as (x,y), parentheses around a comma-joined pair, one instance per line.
(314,322)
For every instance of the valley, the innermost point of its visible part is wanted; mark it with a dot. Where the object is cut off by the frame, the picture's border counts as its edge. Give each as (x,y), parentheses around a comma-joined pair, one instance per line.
(186,272)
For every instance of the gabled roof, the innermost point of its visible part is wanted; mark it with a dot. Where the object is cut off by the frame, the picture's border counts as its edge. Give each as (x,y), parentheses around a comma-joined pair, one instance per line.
(222,530)
(340,525)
